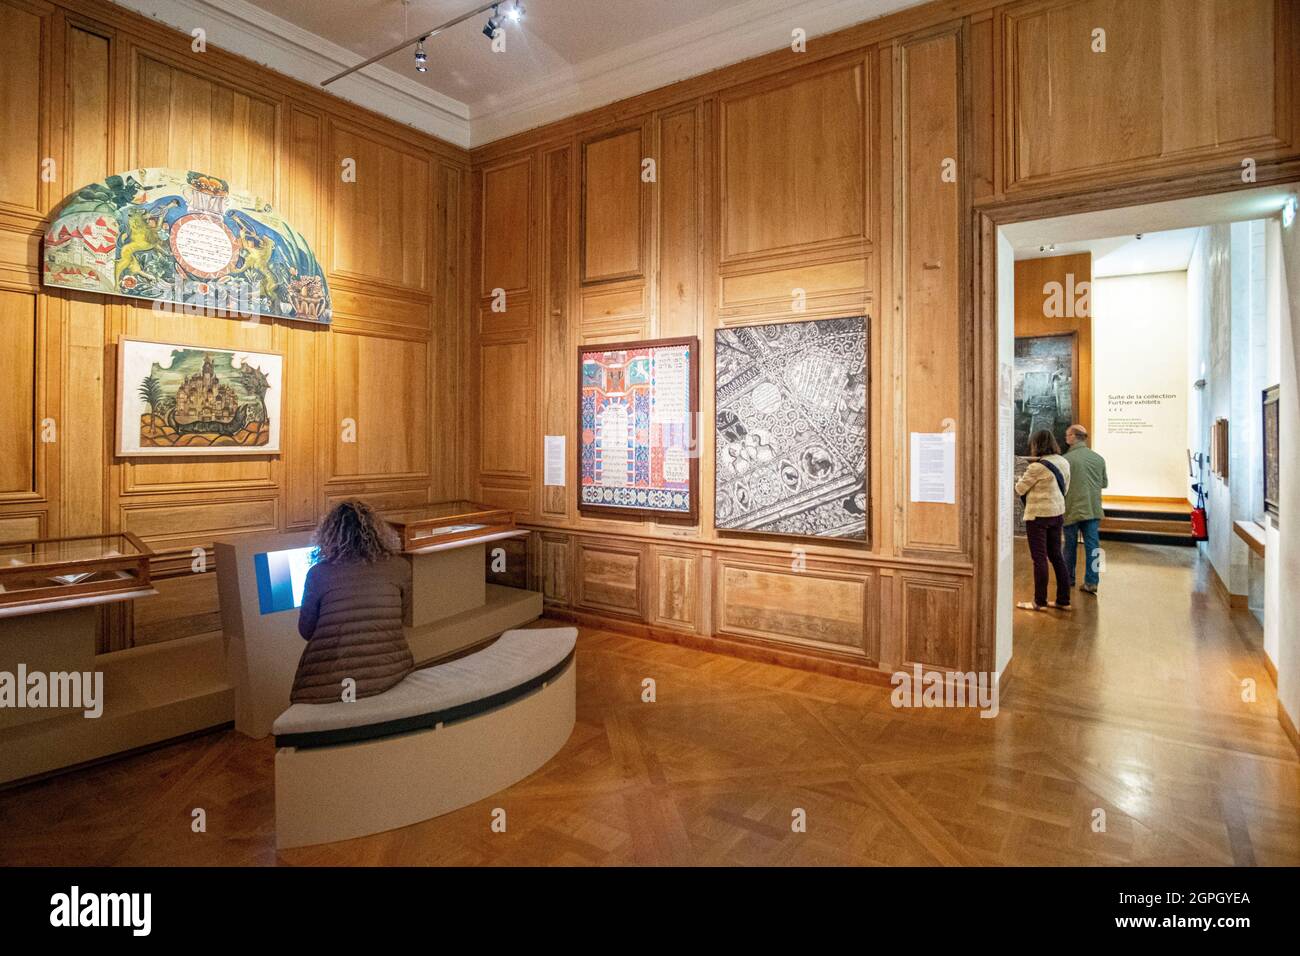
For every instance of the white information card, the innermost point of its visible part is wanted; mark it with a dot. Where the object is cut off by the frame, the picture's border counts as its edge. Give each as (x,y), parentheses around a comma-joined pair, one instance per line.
(555,460)
(934,467)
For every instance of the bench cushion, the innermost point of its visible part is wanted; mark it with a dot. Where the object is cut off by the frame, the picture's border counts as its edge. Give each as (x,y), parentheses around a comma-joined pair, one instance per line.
(511,666)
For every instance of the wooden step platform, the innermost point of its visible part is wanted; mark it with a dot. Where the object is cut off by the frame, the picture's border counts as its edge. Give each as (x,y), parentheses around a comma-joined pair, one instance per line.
(1146,521)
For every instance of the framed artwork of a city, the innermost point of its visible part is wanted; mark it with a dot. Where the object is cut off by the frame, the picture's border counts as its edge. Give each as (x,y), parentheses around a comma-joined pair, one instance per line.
(638,411)
(176,399)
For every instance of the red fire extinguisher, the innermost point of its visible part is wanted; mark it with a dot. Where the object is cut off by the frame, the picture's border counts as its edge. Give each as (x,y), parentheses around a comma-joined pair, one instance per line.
(1200,527)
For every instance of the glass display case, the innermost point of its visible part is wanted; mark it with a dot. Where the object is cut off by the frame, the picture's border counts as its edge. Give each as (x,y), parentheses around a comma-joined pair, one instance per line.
(33,573)
(436,525)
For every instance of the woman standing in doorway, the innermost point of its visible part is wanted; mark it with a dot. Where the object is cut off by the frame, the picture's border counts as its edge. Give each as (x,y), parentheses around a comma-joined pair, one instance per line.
(1042,488)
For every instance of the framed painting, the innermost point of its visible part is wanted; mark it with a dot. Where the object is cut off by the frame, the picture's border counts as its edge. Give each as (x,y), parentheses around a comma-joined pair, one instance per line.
(638,411)
(1271,449)
(193,400)
(1044,373)
(790,437)
(1220,449)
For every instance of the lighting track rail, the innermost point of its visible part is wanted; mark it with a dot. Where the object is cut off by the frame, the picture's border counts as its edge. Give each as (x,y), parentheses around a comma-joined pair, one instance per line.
(418,38)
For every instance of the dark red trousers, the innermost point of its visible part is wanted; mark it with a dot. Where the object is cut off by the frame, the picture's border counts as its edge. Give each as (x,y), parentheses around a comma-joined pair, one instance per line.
(1045,547)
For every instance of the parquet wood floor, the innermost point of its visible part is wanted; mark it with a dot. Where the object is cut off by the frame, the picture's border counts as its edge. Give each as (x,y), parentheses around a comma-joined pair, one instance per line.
(1132,705)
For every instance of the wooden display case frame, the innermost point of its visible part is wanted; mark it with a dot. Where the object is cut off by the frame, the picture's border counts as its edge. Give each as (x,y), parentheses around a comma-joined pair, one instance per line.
(414,533)
(55,592)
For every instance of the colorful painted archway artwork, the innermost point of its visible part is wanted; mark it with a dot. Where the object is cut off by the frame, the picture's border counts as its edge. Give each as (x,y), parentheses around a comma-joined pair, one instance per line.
(184,239)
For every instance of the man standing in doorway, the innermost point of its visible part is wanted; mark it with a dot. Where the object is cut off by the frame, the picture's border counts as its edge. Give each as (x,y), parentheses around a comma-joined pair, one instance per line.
(1083,506)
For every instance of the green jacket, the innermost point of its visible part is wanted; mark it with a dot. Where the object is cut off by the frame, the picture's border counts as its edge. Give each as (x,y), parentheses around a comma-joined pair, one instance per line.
(1087,478)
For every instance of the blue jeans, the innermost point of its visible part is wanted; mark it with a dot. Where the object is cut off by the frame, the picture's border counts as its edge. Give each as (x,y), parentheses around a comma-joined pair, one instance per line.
(1091,549)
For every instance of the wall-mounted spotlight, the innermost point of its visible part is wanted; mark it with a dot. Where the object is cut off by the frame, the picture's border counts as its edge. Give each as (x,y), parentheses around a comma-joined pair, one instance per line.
(1288,212)
(493,25)
(421,58)
(516,12)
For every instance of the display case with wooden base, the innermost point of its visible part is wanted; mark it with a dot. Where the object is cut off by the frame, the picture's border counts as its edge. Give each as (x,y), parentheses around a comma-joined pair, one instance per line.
(55,573)
(64,704)
(435,526)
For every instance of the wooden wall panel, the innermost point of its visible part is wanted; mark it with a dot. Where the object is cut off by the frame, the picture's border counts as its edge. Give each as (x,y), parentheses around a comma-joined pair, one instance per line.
(807,607)
(450,333)
(1072,111)
(187,120)
(87,125)
(676,589)
(555,568)
(681,219)
(612,220)
(186,604)
(367,373)
(380,229)
(506,196)
(20,422)
(85,374)
(24,53)
(610,578)
(793,161)
(933,617)
(929,249)
(559,379)
(21,527)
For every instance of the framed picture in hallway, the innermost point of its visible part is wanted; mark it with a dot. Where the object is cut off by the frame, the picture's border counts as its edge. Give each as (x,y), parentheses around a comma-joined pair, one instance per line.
(1045,370)
(1271,449)
(638,405)
(1219,449)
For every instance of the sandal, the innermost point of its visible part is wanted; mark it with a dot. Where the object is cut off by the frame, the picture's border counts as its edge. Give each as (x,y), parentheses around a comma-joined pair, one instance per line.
(1029,606)
(1060,607)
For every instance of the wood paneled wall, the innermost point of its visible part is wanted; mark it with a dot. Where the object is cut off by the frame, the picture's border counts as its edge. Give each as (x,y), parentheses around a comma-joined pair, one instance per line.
(96,90)
(842,180)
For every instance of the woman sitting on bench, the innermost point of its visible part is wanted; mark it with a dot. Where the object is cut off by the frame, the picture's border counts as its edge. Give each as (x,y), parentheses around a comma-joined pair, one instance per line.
(355,599)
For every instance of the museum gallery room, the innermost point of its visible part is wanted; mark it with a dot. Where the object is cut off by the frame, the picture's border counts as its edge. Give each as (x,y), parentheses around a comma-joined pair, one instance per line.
(612,433)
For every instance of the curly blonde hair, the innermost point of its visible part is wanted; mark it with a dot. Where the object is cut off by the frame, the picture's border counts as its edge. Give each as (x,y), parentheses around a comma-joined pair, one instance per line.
(353,532)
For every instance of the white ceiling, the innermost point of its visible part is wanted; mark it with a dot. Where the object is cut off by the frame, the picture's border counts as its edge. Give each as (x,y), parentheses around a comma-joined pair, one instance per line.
(566,56)
(1168,229)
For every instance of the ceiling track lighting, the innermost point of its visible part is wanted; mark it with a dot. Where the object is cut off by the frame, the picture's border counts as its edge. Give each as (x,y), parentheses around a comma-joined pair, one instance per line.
(513,14)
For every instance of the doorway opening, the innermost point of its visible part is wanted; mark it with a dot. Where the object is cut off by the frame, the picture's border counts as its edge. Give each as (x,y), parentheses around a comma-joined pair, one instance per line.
(1149,335)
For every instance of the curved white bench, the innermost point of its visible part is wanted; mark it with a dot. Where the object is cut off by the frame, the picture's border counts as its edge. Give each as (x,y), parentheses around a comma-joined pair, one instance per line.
(445,737)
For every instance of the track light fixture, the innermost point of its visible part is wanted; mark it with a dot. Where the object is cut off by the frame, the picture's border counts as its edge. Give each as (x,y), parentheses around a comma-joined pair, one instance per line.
(497,20)
(513,14)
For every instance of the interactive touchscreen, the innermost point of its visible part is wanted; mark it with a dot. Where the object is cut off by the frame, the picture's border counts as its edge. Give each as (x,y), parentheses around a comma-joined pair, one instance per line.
(281,577)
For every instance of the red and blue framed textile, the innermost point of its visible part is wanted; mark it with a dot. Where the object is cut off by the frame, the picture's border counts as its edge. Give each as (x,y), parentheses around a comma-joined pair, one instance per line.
(638,405)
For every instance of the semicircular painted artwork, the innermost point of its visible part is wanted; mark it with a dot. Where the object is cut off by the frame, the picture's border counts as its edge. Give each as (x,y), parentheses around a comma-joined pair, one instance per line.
(182,237)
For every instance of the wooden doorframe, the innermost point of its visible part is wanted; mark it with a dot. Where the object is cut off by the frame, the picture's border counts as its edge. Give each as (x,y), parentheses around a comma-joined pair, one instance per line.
(986,218)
